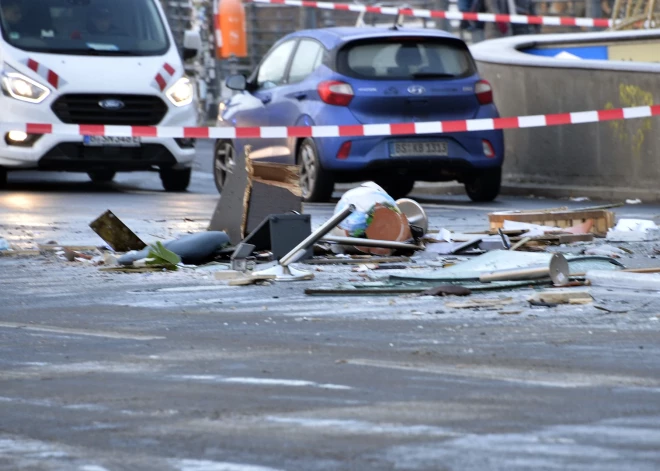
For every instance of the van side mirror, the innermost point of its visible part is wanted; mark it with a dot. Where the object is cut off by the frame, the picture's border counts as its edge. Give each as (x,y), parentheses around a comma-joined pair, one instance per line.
(192,44)
(236,82)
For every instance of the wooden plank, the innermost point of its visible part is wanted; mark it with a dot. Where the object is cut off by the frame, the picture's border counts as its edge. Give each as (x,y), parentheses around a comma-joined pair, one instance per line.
(19,253)
(356,261)
(603,219)
(570,238)
(76,248)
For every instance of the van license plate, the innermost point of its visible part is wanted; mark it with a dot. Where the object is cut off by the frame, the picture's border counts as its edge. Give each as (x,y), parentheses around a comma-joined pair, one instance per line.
(418,149)
(116,141)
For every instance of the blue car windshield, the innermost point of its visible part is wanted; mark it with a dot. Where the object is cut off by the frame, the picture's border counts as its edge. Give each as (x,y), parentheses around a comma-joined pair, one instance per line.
(84,27)
(406,58)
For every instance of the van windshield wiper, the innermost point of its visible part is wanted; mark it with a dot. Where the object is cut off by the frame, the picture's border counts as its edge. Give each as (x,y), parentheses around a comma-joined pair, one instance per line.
(90,51)
(432,75)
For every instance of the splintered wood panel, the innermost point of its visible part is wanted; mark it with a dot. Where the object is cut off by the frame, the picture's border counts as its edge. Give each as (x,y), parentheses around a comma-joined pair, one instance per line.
(288,175)
(230,215)
(254,191)
(603,220)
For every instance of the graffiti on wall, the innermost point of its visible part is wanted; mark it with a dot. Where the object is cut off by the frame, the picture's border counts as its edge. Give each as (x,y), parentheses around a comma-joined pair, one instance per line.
(633,132)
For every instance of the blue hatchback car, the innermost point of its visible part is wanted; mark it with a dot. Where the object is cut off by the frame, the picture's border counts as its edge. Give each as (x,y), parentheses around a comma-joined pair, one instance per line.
(354,76)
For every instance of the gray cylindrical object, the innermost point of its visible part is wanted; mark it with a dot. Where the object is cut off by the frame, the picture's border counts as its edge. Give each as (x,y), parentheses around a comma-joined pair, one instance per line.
(517,274)
(315,236)
(619,279)
(558,270)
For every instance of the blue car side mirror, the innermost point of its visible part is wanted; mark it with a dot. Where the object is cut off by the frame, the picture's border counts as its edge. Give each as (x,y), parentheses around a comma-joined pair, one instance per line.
(236,82)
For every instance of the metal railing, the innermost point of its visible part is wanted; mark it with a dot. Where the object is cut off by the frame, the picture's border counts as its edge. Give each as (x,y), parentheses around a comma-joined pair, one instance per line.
(267,23)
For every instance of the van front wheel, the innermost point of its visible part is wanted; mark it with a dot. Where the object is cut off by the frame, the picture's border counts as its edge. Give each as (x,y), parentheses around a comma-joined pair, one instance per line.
(101,176)
(175,180)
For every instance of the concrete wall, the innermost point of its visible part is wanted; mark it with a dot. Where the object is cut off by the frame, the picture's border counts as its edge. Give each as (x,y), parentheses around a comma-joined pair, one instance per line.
(623,154)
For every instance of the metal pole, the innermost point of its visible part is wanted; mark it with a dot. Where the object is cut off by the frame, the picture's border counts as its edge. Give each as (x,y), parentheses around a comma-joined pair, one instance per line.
(594,10)
(385,244)
(442,23)
(315,236)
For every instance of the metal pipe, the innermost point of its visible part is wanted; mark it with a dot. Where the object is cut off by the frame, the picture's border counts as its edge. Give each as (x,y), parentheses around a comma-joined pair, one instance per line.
(299,250)
(558,270)
(385,244)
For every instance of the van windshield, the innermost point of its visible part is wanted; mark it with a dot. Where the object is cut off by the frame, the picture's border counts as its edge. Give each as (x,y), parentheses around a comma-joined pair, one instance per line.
(84,27)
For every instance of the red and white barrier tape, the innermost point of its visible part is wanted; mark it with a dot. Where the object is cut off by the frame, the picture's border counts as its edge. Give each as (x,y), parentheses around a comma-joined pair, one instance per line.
(396,129)
(450,15)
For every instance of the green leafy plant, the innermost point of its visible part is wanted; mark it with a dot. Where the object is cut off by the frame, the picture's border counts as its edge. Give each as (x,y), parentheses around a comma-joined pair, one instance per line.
(160,256)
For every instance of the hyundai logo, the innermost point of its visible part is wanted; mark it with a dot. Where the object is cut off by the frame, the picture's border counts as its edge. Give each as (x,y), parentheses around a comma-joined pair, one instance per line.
(111,104)
(416,90)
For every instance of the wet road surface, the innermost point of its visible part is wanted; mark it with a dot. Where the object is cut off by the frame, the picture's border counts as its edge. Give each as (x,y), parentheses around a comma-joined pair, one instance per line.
(176,371)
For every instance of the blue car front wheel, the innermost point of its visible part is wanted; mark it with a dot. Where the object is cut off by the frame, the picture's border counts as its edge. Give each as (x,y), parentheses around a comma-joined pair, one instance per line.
(224,158)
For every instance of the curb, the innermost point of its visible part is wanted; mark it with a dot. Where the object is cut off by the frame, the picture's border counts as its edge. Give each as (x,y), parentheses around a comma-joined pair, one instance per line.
(596,193)
(568,191)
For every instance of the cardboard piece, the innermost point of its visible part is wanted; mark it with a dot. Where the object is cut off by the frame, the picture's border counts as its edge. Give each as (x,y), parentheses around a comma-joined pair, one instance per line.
(562,296)
(254,191)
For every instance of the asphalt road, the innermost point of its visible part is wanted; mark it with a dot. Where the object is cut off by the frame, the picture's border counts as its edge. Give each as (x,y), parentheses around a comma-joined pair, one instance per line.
(176,371)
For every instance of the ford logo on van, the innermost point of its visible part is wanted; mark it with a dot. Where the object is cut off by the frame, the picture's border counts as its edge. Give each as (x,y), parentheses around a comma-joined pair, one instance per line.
(111,104)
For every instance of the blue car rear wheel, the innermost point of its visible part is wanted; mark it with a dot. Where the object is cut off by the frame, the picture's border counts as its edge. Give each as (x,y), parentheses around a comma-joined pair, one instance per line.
(316,183)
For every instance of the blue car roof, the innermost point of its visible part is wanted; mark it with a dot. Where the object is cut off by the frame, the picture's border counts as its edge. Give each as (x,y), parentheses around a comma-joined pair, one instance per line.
(333,37)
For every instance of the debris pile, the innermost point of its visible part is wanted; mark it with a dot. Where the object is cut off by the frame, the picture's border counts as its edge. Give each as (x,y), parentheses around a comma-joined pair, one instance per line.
(379,246)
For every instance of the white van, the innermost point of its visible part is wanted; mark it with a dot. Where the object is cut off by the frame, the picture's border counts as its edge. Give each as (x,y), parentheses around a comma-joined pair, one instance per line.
(88,62)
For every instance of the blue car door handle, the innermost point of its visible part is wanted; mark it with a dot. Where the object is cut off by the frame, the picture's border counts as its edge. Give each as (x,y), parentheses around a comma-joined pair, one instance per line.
(265,98)
(300,95)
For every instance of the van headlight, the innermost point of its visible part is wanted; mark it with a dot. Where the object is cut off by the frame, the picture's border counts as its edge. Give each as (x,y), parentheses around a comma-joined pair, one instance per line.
(181,93)
(23,88)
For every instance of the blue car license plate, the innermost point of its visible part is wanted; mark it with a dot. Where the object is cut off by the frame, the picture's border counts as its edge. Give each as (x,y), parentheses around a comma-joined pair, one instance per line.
(419,149)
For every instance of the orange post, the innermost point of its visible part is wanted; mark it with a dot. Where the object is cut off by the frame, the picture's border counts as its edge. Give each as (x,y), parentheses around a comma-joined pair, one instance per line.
(230,32)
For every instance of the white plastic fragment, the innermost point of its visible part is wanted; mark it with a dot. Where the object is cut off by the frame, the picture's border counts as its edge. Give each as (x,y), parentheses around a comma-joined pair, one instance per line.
(624,280)
(634,230)
(605,250)
(445,235)
(642,225)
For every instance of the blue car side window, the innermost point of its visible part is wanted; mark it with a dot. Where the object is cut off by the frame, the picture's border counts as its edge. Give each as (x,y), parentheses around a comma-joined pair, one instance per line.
(273,68)
(307,59)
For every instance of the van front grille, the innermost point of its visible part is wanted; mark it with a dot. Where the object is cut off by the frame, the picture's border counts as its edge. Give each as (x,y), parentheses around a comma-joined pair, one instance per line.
(123,110)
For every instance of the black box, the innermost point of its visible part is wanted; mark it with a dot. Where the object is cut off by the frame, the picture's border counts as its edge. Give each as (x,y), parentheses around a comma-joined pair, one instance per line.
(280,233)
